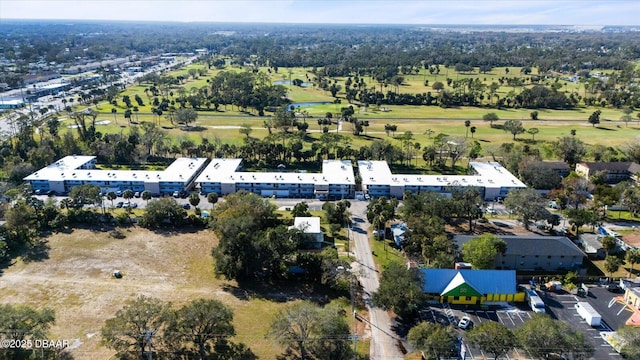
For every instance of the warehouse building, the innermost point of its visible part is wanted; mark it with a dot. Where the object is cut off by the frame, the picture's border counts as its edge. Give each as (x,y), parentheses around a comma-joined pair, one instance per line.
(493,180)
(76,170)
(534,252)
(225,176)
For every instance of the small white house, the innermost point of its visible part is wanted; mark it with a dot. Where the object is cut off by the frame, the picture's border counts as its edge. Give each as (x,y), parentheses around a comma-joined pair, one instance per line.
(311,227)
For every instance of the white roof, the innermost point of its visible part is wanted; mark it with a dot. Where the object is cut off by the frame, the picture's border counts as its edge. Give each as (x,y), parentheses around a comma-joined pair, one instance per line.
(67,168)
(308,224)
(11,101)
(489,174)
(225,171)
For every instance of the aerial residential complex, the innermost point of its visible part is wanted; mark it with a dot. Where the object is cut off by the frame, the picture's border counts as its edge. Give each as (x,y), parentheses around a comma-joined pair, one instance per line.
(493,180)
(225,176)
(70,171)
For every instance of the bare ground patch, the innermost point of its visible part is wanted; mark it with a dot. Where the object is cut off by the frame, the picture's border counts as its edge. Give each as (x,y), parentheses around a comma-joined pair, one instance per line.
(76,280)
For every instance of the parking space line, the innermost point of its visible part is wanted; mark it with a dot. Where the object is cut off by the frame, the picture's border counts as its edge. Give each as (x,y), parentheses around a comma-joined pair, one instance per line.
(469,351)
(520,317)
(499,318)
(510,318)
(621,310)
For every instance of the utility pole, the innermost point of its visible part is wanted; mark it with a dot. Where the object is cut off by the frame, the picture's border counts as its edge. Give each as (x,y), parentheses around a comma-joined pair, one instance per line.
(352,278)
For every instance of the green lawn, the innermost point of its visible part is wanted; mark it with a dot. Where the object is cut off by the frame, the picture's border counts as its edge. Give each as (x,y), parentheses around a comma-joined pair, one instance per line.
(384,253)
(417,119)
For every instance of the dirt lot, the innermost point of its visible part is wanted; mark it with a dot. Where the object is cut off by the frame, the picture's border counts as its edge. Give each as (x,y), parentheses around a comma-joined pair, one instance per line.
(632,239)
(76,281)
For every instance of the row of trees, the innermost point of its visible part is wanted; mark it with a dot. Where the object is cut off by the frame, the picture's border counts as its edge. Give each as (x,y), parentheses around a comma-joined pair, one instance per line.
(541,336)
(147,327)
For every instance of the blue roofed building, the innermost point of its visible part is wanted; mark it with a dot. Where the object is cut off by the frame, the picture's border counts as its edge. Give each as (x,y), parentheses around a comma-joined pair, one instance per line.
(471,287)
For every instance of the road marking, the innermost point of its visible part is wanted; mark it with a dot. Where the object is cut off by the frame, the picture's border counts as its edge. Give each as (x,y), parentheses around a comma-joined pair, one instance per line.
(499,318)
(520,317)
(469,351)
(621,310)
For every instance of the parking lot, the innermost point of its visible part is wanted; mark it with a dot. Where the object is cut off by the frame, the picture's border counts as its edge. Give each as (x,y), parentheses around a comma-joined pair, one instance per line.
(560,306)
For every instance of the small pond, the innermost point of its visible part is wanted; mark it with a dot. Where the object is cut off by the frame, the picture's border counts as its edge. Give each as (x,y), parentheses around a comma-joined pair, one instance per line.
(287,82)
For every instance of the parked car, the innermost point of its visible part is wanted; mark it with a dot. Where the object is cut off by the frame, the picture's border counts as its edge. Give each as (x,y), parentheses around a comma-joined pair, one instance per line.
(136,194)
(614,288)
(491,211)
(464,323)
(51,193)
(119,193)
(37,192)
(134,205)
(120,204)
(186,206)
(176,194)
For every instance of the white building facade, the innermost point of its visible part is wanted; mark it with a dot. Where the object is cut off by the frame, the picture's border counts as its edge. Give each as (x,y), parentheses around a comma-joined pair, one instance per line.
(75,170)
(493,180)
(225,176)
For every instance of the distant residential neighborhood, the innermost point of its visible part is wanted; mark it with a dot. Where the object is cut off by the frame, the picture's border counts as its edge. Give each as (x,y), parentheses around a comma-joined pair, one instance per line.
(303,191)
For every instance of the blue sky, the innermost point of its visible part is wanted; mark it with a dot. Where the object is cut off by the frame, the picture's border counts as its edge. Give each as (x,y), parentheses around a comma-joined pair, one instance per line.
(511,12)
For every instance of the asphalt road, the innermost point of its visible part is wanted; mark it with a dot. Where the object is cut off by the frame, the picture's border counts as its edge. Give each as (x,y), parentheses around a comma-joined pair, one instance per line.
(383,342)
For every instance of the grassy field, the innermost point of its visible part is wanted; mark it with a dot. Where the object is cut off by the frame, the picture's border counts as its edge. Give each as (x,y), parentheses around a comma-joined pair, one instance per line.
(223,124)
(75,280)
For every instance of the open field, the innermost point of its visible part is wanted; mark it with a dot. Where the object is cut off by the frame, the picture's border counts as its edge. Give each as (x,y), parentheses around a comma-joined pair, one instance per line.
(226,128)
(223,124)
(75,280)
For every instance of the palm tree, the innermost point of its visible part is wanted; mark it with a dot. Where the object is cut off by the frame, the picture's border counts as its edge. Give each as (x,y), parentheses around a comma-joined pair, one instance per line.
(473,131)
(146,196)
(66,203)
(632,257)
(111,196)
(467,123)
(212,198)
(114,111)
(135,110)
(194,199)
(128,195)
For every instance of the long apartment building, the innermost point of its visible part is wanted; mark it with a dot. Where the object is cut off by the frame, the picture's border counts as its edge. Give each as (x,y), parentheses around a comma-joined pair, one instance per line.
(75,170)
(493,180)
(225,176)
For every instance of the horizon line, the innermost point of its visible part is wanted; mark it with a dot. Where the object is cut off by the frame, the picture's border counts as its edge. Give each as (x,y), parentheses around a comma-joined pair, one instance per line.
(306,23)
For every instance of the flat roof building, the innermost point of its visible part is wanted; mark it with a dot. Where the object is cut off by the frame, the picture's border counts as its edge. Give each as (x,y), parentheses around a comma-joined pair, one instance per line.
(493,180)
(224,176)
(310,226)
(534,252)
(75,170)
(11,104)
